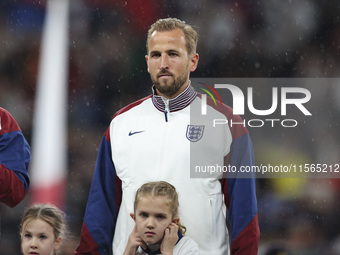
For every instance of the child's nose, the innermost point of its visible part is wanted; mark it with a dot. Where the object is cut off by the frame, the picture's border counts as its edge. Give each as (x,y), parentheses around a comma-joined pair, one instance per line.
(150,223)
(33,243)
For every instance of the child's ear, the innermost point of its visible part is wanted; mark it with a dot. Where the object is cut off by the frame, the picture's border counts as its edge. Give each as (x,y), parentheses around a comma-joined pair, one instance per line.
(132,215)
(57,243)
(175,220)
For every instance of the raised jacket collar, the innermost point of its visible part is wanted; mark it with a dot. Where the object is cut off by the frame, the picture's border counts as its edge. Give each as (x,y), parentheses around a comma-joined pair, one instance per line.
(175,104)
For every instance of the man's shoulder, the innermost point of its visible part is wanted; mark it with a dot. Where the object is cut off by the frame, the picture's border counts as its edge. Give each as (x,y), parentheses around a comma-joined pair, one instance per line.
(235,122)
(131,106)
(5,114)
(7,122)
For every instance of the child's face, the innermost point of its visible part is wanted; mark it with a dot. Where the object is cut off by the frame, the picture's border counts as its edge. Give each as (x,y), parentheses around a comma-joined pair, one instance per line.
(152,217)
(38,238)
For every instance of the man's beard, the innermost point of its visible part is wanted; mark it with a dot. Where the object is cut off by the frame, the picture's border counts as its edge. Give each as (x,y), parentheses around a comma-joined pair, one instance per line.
(169,88)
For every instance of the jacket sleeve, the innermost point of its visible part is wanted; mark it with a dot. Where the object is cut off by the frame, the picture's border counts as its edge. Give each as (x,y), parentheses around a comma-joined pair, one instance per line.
(102,205)
(15,157)
(240,196)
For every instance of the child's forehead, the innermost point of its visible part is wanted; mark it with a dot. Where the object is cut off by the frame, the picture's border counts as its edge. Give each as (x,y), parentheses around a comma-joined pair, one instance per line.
(151,202)
(36,225)
(154,199)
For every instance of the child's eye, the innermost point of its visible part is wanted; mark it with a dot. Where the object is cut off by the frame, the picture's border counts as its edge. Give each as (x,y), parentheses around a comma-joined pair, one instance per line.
(143,215)
(161,217)
(43,237)
(28,235)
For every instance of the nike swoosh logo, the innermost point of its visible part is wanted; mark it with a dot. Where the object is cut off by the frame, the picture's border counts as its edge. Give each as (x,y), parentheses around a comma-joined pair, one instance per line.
(133,133)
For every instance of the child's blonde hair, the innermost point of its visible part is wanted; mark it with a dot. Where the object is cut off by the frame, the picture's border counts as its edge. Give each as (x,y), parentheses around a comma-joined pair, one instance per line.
(161,189)
(48,213)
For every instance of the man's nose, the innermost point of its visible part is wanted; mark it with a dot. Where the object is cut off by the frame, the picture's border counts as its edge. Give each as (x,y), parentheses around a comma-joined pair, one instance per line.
(164,64)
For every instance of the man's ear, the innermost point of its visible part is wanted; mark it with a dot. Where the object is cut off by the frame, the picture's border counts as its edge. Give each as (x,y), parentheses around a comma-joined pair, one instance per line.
(175,220)
(132,215)
(147,62)
(193,62)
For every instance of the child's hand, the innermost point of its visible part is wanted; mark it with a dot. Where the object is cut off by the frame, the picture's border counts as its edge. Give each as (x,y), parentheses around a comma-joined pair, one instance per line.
(134,242)
(170,239)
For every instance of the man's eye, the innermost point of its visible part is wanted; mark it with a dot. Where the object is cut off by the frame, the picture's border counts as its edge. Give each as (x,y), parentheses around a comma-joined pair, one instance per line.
(155,55)
(173,54)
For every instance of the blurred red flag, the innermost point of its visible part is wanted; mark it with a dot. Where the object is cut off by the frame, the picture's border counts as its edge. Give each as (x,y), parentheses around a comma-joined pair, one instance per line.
(49,139)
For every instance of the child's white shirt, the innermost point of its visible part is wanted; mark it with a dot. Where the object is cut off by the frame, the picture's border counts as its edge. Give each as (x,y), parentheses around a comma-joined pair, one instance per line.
(185,246)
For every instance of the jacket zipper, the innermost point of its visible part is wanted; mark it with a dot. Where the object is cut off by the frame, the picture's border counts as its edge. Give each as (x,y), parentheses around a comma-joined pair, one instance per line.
(166,110)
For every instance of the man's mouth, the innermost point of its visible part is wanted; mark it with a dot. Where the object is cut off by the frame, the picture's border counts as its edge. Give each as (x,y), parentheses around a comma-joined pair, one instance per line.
(164,75)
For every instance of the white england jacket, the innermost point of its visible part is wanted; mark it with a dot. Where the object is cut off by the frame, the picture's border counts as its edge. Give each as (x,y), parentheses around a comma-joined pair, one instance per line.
(158,139)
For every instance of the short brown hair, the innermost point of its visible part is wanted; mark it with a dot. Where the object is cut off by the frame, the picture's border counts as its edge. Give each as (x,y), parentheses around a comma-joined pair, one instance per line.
(169,24)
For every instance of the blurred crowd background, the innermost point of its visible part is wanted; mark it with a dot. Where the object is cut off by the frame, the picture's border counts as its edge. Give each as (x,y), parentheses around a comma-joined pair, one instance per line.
(237,38)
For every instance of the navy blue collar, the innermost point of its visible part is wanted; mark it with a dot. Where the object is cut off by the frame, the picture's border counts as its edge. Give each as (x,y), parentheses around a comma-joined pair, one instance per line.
(148,251)
(175,104)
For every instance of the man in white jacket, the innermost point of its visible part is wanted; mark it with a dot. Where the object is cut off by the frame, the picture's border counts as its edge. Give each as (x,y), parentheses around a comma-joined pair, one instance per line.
(160,137)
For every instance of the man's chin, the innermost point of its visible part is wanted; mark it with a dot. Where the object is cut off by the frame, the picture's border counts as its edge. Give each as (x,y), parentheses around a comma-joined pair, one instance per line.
(165,89)
(165,82)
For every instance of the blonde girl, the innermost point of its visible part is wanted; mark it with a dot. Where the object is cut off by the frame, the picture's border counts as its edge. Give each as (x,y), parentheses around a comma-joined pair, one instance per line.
(42,228)
(157,227)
